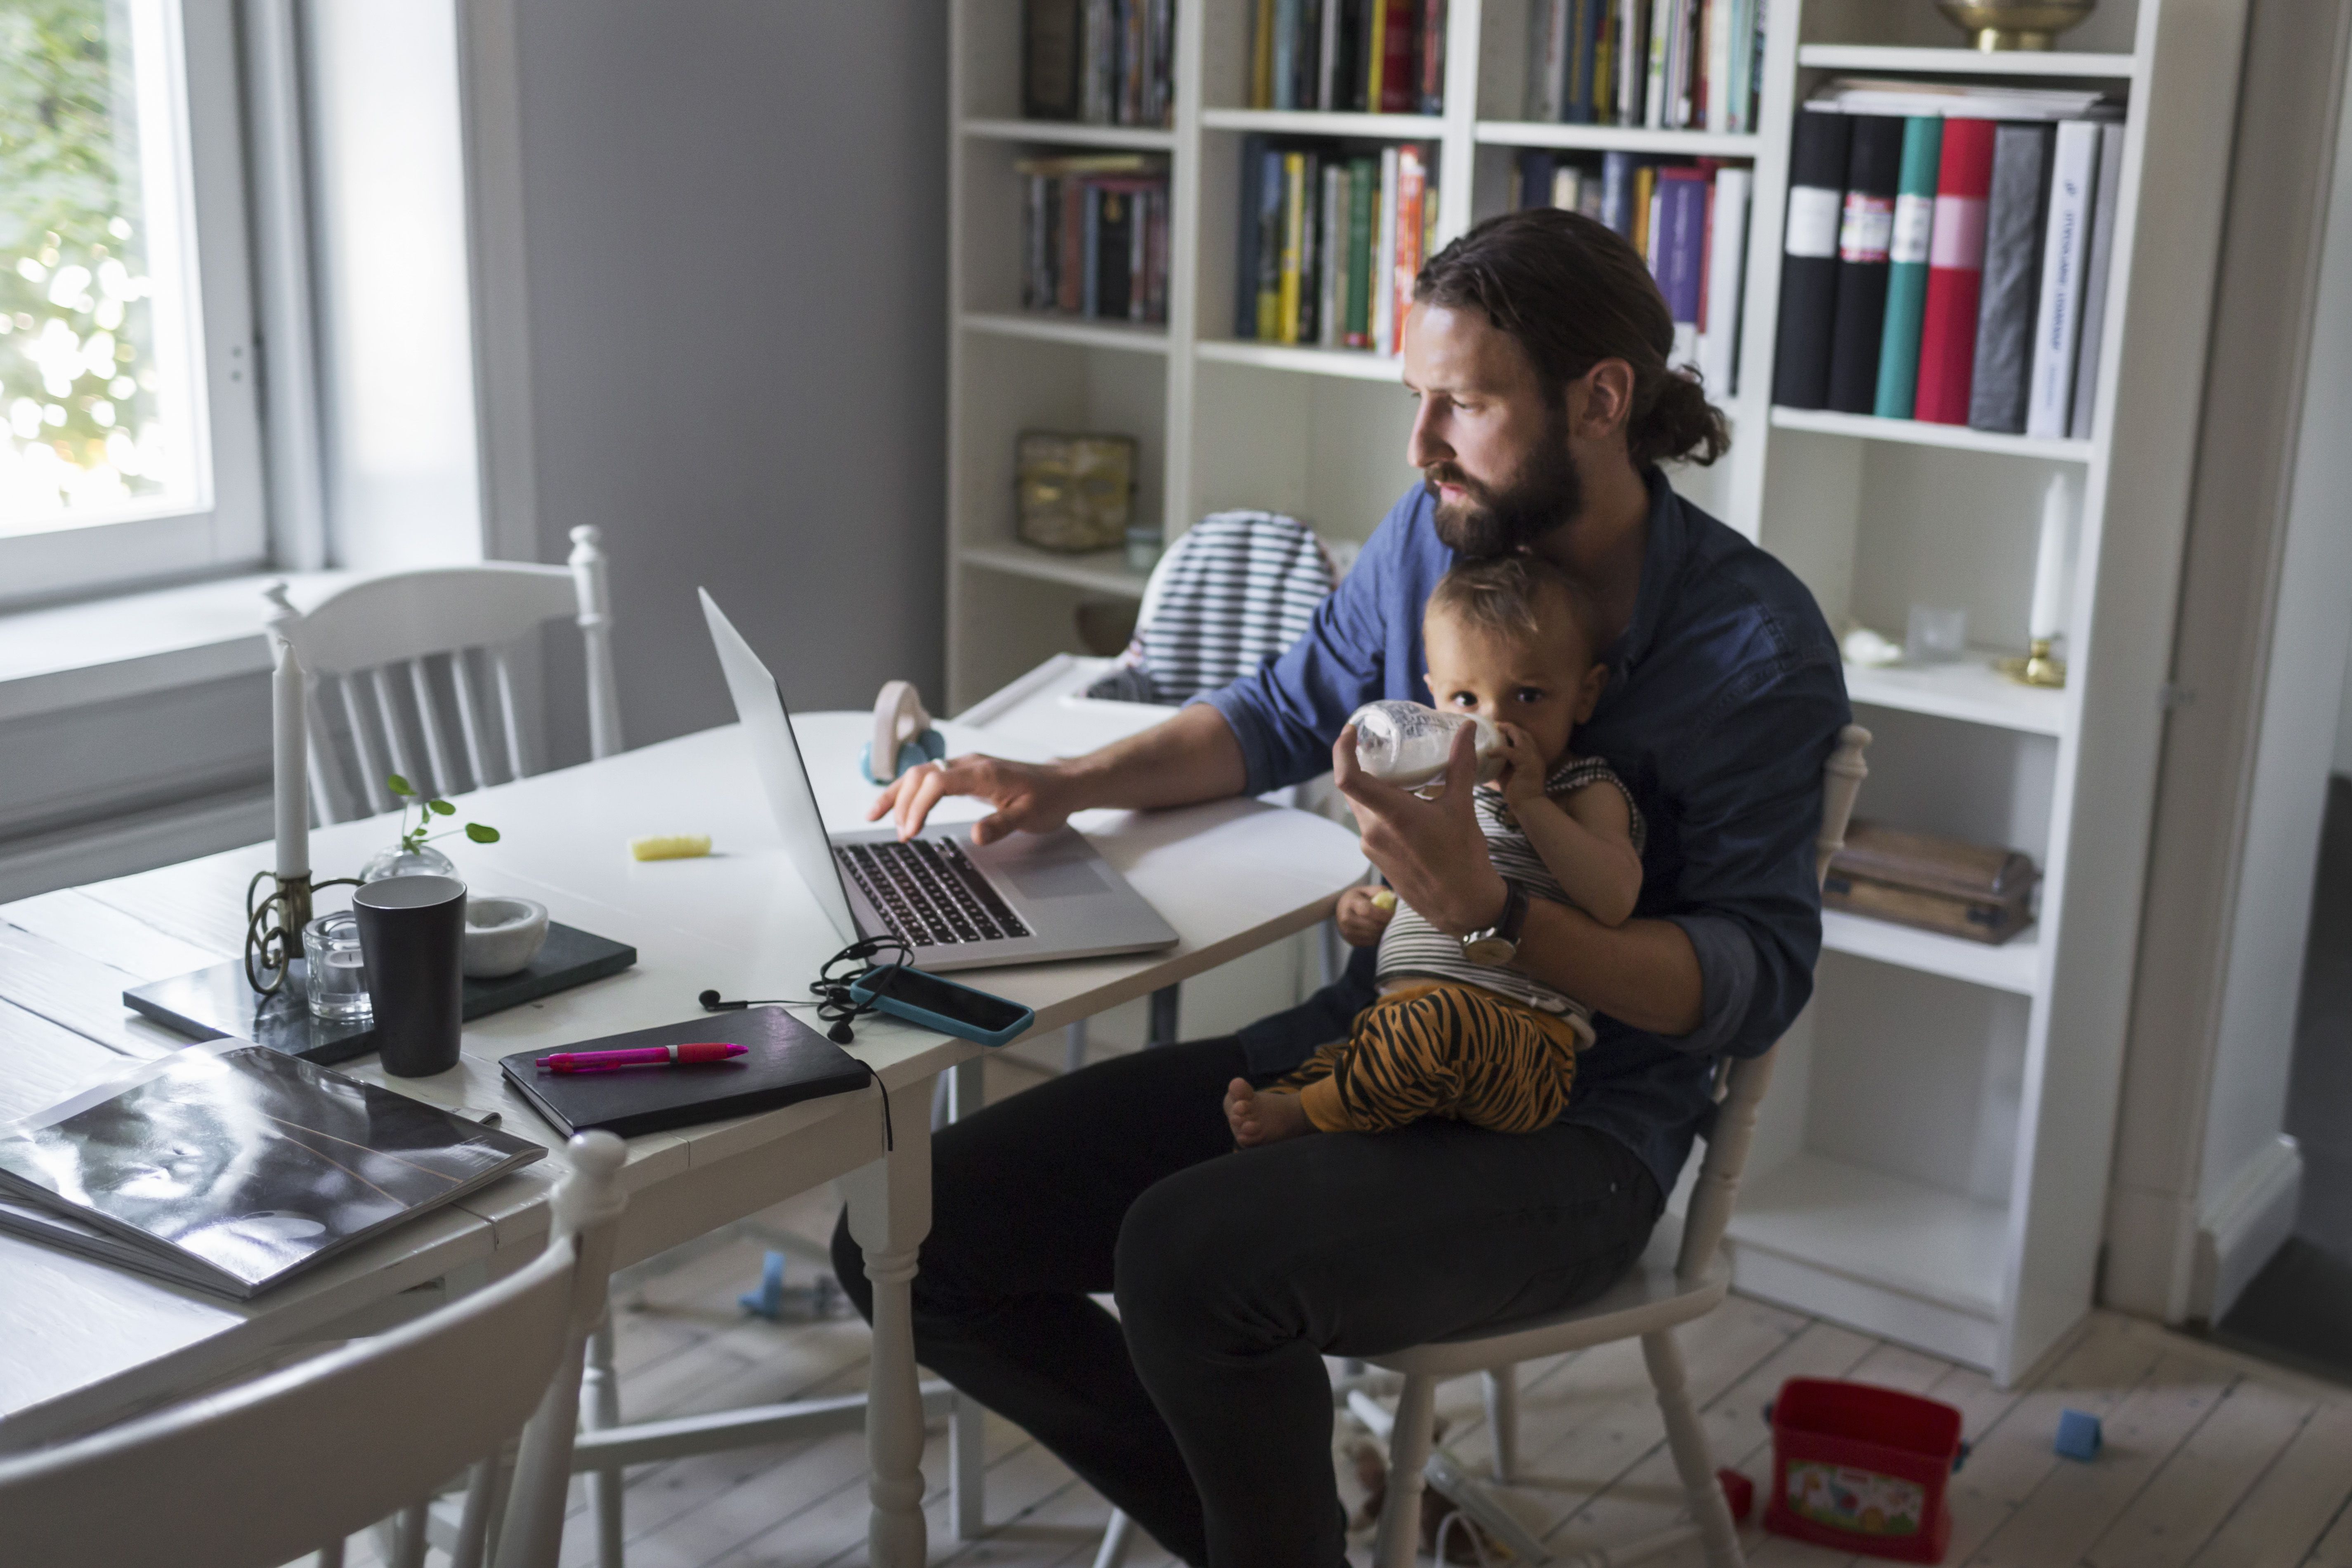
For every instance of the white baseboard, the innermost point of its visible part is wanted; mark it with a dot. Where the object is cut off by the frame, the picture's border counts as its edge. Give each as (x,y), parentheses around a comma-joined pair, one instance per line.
(2245,1225)
(137,842)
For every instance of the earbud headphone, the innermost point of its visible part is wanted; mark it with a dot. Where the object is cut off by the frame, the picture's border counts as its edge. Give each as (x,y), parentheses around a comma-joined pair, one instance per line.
(834,1004)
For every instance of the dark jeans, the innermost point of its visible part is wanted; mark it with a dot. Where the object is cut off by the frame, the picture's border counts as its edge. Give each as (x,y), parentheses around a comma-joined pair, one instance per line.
(1203,1410)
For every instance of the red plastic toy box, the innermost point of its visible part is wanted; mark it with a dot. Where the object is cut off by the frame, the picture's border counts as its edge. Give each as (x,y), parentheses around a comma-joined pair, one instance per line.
(1862,1468)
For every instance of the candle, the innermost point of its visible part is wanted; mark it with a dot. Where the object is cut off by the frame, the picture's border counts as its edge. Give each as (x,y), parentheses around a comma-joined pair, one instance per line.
(2049,565)
(290,775)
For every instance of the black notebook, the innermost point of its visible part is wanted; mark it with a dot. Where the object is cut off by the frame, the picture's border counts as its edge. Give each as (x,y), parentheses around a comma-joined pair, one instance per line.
(784,1060)
(237,1169)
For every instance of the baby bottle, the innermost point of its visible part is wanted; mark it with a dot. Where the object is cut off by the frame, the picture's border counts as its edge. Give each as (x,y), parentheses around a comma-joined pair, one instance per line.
(1407,744)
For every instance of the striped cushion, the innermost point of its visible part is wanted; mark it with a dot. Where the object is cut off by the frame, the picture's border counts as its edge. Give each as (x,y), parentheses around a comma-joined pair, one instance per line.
(1236,590)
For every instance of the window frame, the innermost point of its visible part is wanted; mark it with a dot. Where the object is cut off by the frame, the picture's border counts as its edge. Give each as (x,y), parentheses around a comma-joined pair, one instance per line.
(231,533)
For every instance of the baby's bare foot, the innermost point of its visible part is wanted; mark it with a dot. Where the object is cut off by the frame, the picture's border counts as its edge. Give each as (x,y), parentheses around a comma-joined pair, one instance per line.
(1264,1117)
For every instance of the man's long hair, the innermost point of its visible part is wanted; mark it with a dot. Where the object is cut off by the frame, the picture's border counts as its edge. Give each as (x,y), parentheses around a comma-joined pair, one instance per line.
(1572,292)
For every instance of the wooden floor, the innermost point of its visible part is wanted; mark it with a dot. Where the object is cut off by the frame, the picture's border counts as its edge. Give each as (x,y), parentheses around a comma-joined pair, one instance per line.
(2212,1460)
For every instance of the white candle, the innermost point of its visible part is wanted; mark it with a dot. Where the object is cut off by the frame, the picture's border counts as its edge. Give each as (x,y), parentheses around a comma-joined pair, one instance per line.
(289,774)
(2049,615)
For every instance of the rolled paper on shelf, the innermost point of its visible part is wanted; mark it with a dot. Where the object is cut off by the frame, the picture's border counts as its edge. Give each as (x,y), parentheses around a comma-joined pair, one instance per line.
(289,779)
(670,846)
(2048,619)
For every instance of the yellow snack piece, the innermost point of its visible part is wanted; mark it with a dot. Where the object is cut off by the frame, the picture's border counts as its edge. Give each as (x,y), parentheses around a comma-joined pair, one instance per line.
(1384,900)
(670,846)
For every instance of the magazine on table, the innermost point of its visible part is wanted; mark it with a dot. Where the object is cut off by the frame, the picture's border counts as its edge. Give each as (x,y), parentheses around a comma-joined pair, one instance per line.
(233,1168)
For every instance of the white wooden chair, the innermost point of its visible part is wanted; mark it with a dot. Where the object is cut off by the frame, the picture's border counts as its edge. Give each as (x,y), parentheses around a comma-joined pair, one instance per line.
(1682,1276)
(381,651)
(254,1475)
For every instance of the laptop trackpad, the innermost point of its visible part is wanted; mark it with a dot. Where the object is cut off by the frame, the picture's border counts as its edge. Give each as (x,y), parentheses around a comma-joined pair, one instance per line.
(1052,878)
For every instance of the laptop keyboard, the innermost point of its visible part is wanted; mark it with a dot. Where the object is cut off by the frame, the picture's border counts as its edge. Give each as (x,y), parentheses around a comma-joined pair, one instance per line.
(929,891)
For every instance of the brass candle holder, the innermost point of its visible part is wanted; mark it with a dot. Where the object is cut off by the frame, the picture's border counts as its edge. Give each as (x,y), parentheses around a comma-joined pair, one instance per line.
(2036,668)
(273,926)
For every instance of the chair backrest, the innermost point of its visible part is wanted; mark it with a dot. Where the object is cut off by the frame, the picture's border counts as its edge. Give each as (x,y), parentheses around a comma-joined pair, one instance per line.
(266,1471)
(1235,590)
(381,651)
(1744,1085)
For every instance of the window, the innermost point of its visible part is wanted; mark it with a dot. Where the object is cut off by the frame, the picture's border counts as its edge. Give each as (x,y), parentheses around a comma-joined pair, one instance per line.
(129,445)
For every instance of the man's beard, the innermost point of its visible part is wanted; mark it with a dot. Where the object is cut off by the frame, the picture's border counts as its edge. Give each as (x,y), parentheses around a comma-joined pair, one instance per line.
(1488,522)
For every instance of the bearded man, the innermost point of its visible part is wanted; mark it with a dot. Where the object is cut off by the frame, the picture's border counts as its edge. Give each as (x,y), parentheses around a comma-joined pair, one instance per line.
(1536,347)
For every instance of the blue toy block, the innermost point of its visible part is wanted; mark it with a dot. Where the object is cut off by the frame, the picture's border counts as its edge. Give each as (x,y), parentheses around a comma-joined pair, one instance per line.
(768,1301)
(2078,1435)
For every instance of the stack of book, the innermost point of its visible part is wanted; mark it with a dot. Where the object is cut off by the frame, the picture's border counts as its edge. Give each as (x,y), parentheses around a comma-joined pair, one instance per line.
(1105,62)
(1688,217)
(1331,241)
(1094,236)
(1670,65)
(1362,56)
(1947,255)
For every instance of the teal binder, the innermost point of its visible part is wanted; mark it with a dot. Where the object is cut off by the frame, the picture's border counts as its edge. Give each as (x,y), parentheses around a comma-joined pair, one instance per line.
(1906,280)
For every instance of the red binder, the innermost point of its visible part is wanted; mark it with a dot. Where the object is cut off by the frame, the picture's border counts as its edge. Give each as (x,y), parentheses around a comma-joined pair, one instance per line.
(1948,334)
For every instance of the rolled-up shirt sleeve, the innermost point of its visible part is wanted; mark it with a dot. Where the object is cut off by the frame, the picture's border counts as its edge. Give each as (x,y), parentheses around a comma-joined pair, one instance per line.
(1747,895)
(1286,715)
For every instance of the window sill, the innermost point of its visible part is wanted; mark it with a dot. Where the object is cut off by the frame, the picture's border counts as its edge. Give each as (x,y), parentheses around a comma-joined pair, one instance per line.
(72,654)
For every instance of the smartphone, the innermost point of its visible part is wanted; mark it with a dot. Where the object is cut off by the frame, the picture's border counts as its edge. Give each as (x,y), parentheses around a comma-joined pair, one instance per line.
(942,1004)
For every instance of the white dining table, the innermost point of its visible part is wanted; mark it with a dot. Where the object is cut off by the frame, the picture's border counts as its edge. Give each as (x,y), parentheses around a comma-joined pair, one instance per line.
(82,1344)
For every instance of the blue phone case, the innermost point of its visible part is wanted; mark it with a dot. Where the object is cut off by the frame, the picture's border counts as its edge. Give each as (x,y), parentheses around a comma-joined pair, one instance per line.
(955,1026)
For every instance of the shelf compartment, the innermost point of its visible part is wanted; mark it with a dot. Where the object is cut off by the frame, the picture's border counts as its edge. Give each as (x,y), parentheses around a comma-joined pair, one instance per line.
(1103,571)
(1318,122)
(1969,690)
(1355,364)
(1077,329)
(1073,134)
(1920,432)
(1615,138)
(2014,967)
(1892,1256)
(1964,62)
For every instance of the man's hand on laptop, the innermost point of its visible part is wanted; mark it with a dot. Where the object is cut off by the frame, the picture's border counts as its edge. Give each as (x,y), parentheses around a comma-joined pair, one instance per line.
(1029,797)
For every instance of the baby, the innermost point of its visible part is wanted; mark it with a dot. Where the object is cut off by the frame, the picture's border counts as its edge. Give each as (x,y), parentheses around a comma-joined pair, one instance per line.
(1450,1036)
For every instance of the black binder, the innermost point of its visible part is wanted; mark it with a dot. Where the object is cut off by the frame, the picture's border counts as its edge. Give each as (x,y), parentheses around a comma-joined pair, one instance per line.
(784,1061)
(1874,174)
(2013,277)
(1809,263)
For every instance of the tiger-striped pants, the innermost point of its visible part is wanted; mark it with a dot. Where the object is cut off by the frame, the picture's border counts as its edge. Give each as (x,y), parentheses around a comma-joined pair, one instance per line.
(1445,1050)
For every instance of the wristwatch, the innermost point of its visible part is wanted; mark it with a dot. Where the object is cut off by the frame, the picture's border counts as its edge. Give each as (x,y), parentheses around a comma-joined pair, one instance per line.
(1499,942)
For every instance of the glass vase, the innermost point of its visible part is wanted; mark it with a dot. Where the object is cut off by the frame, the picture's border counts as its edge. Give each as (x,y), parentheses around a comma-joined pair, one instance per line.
(402,861)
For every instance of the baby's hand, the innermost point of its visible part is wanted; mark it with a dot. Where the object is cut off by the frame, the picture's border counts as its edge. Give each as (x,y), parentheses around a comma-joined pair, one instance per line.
(1363,914)
(1523,766)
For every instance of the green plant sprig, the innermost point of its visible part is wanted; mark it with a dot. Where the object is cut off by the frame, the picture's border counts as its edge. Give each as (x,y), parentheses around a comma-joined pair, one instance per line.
(414,838)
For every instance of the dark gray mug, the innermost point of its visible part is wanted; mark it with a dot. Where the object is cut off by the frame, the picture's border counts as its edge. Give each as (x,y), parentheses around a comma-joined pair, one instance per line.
(413,935)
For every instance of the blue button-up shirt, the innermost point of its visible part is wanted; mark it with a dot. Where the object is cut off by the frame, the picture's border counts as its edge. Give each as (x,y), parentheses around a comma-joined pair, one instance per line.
(1725,697)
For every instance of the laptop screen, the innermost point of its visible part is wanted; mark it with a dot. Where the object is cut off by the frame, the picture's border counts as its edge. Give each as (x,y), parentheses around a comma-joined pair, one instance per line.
(768,730)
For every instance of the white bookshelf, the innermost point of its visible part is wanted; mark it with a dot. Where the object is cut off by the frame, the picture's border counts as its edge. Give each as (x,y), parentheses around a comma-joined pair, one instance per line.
(1933,1161)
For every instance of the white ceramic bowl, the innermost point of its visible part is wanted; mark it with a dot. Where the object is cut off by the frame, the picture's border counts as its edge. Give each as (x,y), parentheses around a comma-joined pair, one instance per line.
(502,936)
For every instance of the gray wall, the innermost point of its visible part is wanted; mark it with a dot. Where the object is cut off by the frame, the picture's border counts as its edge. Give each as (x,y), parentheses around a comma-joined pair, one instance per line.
(736,219)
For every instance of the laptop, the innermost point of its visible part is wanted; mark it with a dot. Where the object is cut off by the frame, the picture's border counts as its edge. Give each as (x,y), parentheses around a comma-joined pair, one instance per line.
(1025,899)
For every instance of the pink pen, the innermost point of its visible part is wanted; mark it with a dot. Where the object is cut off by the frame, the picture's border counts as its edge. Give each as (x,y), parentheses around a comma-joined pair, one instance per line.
(641,1056)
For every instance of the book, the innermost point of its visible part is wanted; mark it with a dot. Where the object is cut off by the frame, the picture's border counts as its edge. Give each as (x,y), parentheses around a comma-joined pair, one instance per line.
(1069,264)
(1429,59)
(1413,211)
(1270,237)
(1653,87)
(1583,37)
(1808,265)
(1363,197)
(2095,280)
(1534,168)
(1727,257)
(1948,323)
(784,1062)
(1113,242)
(1384,256)
(1866,230)
(1907,274)
(236,1168)
(1330,258)
(1717,106)
(1262,54)
(1547,58)
(1286,53)
(1245,237)
(1567,188)
(2065,247)
(1965,100)
(1050,61)
(1645,215)
(1293,262)
(1681,268)
(2014,211)
(1632,60)
(1327,57)
(1399,33)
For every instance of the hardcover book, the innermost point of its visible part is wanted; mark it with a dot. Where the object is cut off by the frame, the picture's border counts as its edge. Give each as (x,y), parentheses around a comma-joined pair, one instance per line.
(2065,247)
(2095,280)
(1947,329)
(1865,232)
(784,1061)
(1907,254)
(1818,156)
(2014,212)
(234,1169)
